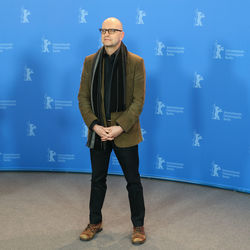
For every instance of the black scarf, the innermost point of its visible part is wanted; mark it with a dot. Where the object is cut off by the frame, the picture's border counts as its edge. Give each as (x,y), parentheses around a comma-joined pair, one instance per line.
(117,94)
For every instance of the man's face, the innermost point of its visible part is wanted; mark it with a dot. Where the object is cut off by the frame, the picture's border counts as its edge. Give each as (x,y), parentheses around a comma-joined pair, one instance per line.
(112,40)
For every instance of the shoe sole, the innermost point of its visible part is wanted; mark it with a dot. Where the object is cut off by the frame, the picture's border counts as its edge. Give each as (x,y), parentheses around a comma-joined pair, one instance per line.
(99,230)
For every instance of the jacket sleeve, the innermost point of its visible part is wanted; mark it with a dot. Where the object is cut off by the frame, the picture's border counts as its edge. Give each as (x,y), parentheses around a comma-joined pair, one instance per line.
(133,111)
(84,95)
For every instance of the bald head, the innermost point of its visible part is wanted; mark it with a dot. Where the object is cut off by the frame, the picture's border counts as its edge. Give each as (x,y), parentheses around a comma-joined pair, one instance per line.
(112,22)
(113,35)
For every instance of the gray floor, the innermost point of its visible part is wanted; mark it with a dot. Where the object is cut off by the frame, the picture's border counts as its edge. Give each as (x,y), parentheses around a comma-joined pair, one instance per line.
(49,211)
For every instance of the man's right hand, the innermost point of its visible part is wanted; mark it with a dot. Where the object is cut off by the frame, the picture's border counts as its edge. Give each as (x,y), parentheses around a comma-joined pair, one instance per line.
(101,131)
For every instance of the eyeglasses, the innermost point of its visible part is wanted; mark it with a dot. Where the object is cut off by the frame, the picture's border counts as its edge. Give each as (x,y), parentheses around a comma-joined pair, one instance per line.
(110,31)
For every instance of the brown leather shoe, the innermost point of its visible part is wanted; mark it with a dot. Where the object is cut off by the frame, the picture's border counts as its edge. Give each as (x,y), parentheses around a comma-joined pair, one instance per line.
(90,231)
(138,236)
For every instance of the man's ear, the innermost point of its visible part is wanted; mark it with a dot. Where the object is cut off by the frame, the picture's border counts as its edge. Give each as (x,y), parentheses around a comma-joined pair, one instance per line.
(122,35)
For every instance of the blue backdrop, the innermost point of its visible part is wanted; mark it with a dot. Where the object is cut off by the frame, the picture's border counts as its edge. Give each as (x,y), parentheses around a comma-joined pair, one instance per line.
(195,121)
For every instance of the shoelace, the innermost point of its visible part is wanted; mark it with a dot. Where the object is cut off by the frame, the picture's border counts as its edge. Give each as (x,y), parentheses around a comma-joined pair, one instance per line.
(91,227)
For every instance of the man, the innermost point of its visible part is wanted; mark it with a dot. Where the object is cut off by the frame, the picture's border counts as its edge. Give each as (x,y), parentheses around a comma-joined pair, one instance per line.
(111,98)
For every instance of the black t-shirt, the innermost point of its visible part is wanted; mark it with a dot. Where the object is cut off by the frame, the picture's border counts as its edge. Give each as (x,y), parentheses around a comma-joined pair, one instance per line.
(108,67)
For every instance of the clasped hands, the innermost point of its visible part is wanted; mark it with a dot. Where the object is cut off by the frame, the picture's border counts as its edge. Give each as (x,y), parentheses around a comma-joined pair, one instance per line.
(108,133)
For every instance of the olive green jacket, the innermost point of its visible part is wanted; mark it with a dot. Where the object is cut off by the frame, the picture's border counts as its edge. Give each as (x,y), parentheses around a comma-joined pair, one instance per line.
(135,95)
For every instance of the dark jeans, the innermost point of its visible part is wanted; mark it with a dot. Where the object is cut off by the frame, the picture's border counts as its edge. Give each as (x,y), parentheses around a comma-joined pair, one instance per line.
(129,161)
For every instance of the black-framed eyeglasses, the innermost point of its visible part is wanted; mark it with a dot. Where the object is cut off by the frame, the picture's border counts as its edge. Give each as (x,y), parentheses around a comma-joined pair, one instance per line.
(110,31)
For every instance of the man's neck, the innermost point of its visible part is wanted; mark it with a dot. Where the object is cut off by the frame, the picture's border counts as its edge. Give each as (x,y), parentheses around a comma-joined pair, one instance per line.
(111,50)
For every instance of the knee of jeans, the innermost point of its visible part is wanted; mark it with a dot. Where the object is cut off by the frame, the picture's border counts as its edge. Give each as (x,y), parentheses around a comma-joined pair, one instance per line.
(134,186)
(98,180)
